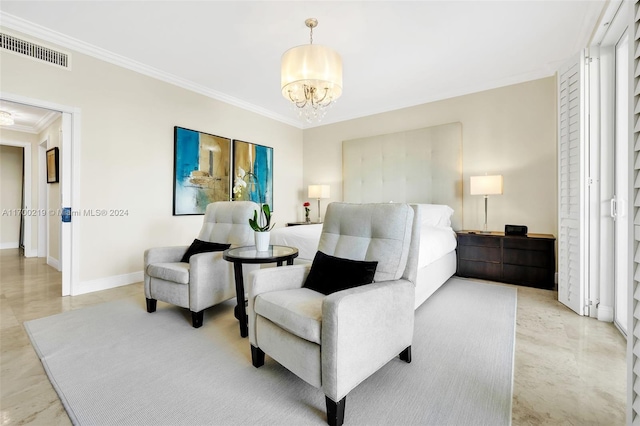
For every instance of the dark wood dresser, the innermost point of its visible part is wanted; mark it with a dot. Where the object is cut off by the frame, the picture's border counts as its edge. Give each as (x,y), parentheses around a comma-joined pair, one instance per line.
(528,261)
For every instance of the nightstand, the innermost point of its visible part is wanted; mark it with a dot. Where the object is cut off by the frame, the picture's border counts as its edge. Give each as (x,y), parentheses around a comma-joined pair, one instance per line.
(302,223)
(528,261)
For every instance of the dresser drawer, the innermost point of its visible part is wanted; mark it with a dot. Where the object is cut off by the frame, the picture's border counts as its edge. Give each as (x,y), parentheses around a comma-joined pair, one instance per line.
(524,243)
(478,240)
(482,270)
(485,254)
(540,259)
(528,275)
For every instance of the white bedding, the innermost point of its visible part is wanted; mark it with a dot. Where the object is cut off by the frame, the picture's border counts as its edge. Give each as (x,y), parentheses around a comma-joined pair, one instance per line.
(304,237)
(435,242)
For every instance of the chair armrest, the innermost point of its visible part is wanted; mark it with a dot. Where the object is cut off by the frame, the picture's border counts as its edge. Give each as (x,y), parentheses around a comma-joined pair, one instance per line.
(163,254)
(362,329)
(211,280)
(160,255)
(272,279)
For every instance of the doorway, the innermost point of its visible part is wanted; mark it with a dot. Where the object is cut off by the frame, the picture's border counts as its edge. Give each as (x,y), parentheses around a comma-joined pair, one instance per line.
(615,189)
(34,131)
(68,184)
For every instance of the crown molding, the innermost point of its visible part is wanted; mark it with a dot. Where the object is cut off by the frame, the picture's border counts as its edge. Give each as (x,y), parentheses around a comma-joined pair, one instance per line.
(20,128)
(38,127)
(46,121)
(34,30)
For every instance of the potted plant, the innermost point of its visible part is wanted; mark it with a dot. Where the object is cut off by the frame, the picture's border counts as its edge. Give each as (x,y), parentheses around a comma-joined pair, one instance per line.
(261,224)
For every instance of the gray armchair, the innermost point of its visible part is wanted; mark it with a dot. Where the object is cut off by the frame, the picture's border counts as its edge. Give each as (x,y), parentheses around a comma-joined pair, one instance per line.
(334,342)
(207,279)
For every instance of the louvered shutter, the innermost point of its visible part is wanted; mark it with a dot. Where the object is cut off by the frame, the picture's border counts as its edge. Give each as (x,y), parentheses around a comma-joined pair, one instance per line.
(634,342)
(571,185)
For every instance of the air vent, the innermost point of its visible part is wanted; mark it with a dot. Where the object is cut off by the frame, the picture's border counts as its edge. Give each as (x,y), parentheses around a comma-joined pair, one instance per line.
(33,50)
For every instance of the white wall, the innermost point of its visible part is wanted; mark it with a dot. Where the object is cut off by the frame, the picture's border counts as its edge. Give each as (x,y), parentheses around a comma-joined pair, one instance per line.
(10,195)
(509,131)
(126,155)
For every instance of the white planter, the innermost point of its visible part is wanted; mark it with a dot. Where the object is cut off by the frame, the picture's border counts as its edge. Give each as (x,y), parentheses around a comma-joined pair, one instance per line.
(262,241)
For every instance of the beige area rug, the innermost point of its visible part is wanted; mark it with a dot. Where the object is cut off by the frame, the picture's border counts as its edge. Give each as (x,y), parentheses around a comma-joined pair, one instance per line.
(116,364)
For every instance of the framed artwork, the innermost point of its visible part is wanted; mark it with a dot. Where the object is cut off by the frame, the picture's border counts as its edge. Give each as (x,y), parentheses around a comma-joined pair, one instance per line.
(201,171)
(53,161)
(253,172)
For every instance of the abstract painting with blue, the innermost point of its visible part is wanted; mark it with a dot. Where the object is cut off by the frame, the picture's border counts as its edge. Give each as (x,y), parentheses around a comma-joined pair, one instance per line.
(253,173)
(201,171)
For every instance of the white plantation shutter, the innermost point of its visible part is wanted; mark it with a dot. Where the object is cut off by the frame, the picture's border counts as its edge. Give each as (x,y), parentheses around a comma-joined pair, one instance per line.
(571,185)
(634,341)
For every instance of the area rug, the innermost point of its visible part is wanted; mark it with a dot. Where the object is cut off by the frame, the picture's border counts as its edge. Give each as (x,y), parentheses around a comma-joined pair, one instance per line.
(116,364)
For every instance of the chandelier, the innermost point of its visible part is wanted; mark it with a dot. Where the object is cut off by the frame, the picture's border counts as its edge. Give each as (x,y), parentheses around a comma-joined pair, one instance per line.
(6,119)
(311,77)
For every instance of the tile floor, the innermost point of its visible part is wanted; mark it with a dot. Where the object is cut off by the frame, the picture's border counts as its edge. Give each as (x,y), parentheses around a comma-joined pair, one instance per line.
(569,370)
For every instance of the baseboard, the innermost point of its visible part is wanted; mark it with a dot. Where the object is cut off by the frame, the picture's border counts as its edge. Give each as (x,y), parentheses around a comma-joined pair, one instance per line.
(107,283)
(32,253)
(54,263)
(605,313)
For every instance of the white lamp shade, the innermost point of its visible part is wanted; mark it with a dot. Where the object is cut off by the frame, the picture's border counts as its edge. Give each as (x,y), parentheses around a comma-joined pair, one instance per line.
(486,185)
(319,191)
(310,64)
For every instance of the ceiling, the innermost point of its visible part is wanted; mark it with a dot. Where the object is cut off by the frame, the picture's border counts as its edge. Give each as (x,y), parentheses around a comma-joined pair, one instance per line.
(395,54)
(27,118)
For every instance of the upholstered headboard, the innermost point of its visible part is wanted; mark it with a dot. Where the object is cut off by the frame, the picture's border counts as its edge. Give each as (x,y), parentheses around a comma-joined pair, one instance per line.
(415,166)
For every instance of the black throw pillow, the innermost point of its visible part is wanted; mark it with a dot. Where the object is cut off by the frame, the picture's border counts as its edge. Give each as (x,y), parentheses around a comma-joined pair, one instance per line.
(199,246)
(330,274)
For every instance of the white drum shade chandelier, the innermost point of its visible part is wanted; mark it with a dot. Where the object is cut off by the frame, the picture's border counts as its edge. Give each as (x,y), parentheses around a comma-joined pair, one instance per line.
(311,77)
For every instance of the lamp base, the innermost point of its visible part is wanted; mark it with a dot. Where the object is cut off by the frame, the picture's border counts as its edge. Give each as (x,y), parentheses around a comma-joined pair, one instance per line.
(484,229)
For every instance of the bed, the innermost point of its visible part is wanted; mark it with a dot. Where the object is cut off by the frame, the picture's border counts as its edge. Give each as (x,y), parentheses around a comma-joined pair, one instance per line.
(422,167)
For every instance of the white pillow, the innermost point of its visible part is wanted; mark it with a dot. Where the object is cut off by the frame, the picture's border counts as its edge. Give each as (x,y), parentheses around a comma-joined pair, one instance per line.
(438,215)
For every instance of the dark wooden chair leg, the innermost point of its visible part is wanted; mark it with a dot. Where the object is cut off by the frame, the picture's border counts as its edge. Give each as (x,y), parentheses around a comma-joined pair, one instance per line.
(197,318)
(257,357)
(335,411)
(406,355)
(151,305)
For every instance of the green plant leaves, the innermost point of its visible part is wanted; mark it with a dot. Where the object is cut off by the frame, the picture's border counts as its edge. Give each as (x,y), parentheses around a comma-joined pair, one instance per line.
(264,224)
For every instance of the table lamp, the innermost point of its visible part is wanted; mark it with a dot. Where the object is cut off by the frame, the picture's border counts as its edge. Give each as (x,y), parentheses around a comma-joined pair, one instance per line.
(319,191)
(486,185)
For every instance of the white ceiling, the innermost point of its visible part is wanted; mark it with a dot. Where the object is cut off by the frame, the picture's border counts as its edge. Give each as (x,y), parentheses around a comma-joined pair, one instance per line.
(395,54)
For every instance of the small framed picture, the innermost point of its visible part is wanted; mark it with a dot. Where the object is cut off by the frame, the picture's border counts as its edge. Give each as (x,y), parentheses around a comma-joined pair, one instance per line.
(53,175)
